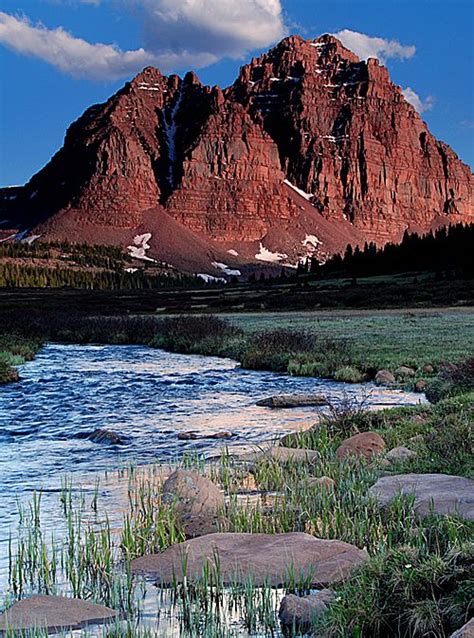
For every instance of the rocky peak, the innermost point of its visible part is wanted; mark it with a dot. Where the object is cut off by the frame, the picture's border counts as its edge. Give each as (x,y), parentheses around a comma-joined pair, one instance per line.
(309,141)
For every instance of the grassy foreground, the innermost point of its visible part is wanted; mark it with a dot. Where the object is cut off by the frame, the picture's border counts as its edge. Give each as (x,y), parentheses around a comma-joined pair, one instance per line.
(418,581)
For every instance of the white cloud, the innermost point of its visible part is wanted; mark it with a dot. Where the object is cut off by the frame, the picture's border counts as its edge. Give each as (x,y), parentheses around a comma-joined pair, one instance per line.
(415,100)
(366,46)
(176,34)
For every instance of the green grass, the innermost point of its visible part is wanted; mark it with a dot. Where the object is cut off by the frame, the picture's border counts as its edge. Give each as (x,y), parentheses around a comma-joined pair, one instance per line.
(15,349)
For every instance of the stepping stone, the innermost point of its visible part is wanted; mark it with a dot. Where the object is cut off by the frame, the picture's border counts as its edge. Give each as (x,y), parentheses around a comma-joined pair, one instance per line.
(442,493)
(261,558)
(54,613)
(293,401)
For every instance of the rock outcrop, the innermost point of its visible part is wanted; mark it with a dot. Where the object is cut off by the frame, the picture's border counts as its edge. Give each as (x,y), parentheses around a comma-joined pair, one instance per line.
(309,150)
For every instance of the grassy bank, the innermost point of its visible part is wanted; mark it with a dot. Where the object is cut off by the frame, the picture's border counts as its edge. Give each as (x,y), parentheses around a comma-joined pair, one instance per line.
(349,347)
(15,349)
(417,582)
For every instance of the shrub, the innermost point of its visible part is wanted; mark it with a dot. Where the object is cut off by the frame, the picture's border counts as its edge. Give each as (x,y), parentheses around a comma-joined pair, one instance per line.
(407,591)
(348,374)
(7,373)
(201,334)
(453,379)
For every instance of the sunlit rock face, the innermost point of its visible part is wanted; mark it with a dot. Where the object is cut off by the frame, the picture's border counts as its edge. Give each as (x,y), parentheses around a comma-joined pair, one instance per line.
(309,141)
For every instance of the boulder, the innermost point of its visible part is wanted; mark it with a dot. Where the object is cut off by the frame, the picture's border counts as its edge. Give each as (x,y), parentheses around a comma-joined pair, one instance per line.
(300,612)
(264,558)
(428,369)
(193,435)
(293,401)
(198,502)
(466,631)
(404,371)
(53,613)
(291,454)
(400,453)
(384,377)
(101,435)
(365,444)
(420,386)
(442,493)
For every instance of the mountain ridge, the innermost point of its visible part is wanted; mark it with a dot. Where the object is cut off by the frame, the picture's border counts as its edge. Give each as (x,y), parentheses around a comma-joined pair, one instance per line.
(308,150)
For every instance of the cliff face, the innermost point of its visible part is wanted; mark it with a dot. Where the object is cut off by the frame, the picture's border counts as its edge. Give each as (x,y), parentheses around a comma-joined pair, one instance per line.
(308,150)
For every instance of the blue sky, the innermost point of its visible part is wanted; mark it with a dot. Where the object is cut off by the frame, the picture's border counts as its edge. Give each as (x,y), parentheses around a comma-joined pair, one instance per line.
(57,57)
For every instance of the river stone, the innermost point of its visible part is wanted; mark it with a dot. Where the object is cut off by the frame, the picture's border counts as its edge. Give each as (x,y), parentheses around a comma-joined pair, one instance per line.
(291,454)
(264,558)
(197,501)
(54,613)
(299,612)
(293,401)
(428,369)
(400,453)
(404,371)
(466,631)
(384,377)
(420,385)
(365,444)
(442,493)
(108,437)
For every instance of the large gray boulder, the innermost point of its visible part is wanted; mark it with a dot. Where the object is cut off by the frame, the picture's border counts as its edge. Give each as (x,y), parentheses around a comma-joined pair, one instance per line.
(198,502)
(53,613)
(263,558)
(441,493)
(293,401)
(466,631)
(300,612)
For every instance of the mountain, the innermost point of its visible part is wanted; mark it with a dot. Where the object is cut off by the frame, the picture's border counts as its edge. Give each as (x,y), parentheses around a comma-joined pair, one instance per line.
(310,149)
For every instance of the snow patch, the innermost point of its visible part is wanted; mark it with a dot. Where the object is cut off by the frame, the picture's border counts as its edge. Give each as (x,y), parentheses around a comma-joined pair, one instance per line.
(312,240)
(144,86)
(140,245)
(307,196)
(33,194)
(266,255)
(131,270)
(233,252)
(29,240)
(210,278)
(232,272)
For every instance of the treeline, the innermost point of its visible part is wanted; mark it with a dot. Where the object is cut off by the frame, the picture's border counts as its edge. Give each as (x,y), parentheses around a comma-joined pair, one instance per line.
(447,252)
(14,275)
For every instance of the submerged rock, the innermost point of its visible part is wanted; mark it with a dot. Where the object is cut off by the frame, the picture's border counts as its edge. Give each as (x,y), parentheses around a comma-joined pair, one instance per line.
(300,612)
(365,444)
(440,493)
(293,401)
(54,613)
(192,435)
(197,500)
(264,558)
(108,437)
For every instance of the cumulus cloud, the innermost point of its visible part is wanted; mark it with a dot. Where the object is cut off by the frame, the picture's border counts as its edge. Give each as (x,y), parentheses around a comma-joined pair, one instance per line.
(366,46)
(416,101)
(176,34)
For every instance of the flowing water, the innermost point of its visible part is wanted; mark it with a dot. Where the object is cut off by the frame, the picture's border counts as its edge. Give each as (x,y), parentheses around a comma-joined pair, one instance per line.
(148,397)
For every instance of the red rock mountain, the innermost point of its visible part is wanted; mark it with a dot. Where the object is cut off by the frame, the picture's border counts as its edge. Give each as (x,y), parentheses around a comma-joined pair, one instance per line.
(309,150)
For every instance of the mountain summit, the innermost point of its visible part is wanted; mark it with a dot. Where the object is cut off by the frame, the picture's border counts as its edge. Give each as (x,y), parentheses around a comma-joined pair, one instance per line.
(310,149)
